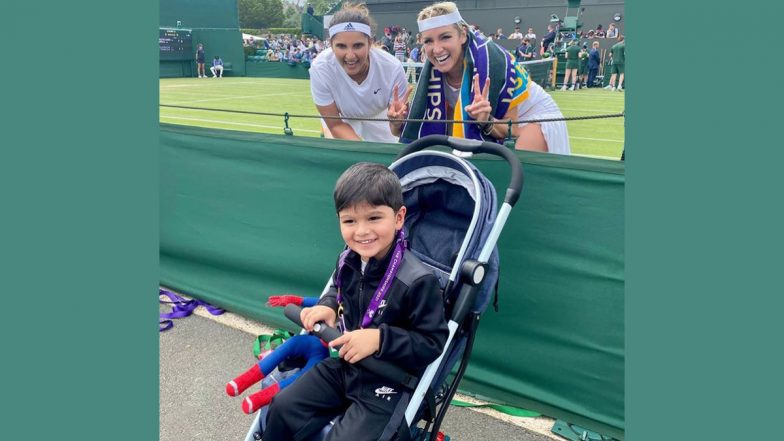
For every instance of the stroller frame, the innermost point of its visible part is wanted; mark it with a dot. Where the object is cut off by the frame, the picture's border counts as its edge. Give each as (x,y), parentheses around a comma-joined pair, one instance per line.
(463,321)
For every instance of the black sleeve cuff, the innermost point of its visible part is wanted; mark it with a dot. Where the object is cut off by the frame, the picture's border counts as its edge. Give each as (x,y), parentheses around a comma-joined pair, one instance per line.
(329,302)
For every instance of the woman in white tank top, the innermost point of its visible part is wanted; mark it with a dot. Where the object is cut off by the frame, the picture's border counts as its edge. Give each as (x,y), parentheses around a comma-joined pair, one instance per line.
(353,79)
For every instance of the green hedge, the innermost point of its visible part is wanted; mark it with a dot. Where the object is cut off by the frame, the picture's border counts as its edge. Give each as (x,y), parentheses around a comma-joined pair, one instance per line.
(256,32)
(275,31)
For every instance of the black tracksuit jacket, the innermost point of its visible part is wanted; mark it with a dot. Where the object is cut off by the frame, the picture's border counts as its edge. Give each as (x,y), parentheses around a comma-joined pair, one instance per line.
(412,324)
(413,333)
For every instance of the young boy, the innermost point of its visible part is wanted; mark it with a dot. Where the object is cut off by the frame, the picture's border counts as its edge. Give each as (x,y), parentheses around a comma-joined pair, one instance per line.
(403,324)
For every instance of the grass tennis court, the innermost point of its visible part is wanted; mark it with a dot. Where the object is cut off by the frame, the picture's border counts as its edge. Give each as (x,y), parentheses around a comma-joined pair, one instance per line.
(599,137)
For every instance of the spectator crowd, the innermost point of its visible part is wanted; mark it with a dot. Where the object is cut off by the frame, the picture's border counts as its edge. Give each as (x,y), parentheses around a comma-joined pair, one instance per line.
(406,46)
(287,48)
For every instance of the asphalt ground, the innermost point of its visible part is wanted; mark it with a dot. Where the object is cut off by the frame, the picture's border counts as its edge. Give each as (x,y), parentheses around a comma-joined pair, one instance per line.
(200,354)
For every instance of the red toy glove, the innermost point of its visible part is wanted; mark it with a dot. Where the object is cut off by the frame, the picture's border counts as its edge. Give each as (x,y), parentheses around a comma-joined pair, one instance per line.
(259,399)
(284,300)
(244,381)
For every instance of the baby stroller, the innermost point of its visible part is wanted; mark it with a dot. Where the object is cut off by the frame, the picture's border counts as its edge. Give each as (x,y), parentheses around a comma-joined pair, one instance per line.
(452,225)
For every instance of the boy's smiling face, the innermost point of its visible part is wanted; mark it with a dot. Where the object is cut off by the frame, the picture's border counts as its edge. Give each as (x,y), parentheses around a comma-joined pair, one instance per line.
(370,230)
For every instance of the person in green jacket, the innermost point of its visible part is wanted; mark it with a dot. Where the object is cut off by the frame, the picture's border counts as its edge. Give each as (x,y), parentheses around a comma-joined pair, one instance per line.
(618,54)
(572,63)
(582,71)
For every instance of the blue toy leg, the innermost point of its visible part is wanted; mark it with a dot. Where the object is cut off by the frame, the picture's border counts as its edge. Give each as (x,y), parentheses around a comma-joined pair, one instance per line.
(307,346)
(308,302)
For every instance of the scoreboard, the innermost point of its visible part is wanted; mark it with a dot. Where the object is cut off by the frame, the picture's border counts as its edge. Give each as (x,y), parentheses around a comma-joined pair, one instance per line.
(176,44)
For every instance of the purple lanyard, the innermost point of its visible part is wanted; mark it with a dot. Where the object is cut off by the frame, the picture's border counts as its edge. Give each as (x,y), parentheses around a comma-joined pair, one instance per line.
(181,308)
(383,287)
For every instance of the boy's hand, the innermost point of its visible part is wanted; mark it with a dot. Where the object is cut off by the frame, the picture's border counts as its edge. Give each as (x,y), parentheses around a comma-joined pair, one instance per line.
(357,344)
(315,314)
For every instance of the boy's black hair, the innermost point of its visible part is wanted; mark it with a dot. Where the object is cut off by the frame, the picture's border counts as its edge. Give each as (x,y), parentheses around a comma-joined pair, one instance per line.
(367,182)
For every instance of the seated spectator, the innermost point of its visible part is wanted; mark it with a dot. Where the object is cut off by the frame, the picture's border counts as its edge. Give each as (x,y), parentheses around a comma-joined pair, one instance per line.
(499,34)
(406,37)
(388,42)
(414,55)
(306,59)
(516,35)
(612,31)
(599,32)
(217,67)
(418,46)
(272,56)
(524,52)
(296,56)
(413,39)
(400,48)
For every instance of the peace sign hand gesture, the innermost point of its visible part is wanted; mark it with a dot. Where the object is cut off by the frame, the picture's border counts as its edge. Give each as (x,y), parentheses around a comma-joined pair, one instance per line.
(480,108)
(398,108)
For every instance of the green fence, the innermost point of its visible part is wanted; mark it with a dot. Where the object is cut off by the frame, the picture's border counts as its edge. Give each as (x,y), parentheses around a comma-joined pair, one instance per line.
(276,69)
(245,216)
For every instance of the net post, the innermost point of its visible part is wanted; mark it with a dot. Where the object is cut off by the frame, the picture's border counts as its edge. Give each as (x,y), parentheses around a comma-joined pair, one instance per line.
(509,132)
(287,130)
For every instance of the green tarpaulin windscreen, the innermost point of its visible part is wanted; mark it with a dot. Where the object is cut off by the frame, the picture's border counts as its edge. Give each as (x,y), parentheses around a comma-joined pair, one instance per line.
(245,216)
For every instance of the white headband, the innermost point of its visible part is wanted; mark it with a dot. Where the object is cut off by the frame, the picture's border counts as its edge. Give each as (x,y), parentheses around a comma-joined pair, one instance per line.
(439,20)
(350,26)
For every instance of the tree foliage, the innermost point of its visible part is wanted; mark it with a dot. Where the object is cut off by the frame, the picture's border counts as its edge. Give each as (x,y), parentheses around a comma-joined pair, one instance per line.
(260,13)
(249,12)
(293,16)
(273,13)
(320,7)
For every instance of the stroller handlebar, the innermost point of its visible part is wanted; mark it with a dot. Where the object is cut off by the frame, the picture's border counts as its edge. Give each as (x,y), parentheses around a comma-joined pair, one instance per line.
(291,311)
(475,146)
(380,367)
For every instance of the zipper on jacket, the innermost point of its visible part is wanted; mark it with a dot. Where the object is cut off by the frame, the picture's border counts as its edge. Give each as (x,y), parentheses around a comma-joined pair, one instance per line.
(362,308)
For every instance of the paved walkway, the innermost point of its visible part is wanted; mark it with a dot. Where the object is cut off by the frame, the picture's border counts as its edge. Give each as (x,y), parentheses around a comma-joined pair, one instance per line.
(200,354)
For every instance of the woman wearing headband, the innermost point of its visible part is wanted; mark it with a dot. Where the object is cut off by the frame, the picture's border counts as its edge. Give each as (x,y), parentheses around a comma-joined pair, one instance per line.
(353,79)
(466,79)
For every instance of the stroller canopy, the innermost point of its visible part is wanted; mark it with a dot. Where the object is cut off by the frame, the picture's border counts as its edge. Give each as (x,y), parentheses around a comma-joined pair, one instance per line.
(451,209)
